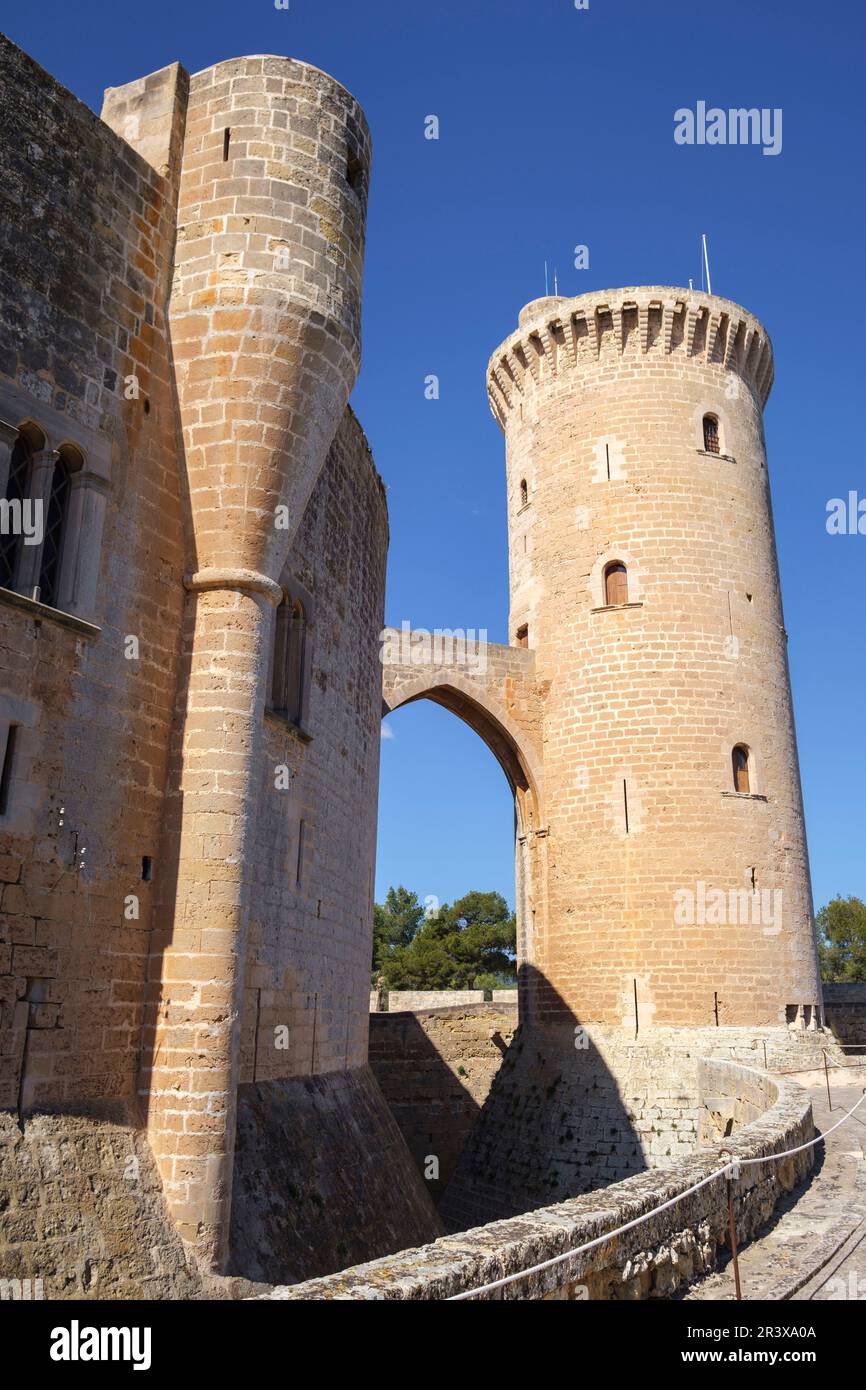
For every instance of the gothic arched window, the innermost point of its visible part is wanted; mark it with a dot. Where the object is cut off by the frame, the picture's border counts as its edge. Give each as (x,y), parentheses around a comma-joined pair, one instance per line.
(56,514)
(712,443)
(615,583)
(290,641)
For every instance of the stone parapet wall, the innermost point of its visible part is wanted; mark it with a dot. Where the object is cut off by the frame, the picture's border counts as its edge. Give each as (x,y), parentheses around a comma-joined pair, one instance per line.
(411,1000)
(651,1260)
(845,1011)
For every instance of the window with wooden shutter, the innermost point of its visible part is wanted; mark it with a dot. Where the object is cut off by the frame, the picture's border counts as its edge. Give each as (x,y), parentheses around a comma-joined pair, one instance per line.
(741,769)
(711,435)
(616,583)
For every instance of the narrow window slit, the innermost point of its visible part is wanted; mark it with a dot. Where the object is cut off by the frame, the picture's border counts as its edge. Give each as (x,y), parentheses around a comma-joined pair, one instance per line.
(299,865)
(6,774)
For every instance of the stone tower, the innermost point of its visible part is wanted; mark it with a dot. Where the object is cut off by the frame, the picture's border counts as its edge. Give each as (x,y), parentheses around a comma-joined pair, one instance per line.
(265,330)
(644,579)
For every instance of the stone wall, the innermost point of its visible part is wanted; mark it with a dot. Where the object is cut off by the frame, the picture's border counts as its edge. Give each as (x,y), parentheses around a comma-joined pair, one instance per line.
(174,921)
(322,1179)
(575,1109)
(413,1000)
(845,1011)
(91,689)
(307,976)
(81,1208)
(435,1069)
(649,1261)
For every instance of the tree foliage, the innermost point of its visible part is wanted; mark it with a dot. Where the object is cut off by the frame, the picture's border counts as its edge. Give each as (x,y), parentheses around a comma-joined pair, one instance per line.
(842,940)
(394,924)
(469,944)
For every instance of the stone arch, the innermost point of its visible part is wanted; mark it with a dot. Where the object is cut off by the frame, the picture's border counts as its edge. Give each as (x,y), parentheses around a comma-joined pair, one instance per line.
(491,704)
(472,702)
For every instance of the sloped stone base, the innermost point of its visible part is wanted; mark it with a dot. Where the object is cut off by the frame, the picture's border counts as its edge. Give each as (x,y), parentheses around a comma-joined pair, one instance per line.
(323,1179)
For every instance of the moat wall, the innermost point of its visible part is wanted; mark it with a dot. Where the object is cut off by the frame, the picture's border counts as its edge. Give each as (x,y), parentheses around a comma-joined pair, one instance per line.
(322,1179)
(651,1260)
(435,1069)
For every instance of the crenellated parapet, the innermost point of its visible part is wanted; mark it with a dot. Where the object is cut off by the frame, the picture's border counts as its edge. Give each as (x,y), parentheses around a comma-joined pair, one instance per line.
(557,336)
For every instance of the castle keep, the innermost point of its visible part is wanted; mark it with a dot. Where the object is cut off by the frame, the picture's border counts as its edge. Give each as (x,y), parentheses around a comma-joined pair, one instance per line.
(191,690)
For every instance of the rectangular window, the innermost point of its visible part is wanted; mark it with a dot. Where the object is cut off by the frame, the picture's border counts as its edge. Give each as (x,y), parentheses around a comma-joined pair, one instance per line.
(6,773)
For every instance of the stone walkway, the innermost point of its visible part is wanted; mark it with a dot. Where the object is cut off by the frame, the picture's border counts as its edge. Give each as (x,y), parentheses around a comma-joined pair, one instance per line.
(815,1244)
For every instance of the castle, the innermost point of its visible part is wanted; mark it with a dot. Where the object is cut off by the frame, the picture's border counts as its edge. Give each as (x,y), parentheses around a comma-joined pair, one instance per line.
(191,688)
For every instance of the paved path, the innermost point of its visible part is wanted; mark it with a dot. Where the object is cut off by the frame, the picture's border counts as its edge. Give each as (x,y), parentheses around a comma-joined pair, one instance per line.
(815,1244)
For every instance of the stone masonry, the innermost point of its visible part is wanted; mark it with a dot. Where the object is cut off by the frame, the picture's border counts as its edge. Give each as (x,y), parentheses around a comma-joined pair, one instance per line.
(616,717)
(186,867)
(191,685)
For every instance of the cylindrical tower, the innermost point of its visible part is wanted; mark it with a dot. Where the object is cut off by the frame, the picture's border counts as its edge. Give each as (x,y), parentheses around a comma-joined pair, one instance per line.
(265,331)
(644,575)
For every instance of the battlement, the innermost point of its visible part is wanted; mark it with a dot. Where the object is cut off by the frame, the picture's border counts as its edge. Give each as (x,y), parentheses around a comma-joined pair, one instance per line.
(557,335)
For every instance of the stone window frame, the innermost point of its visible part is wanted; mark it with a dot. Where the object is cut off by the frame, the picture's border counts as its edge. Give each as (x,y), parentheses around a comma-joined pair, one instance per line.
(725,432)
(293,593)
(597,593)
(755,792)
(52,436)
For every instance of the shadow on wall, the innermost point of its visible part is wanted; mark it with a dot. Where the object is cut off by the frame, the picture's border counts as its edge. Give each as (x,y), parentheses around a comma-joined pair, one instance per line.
(554,1124)
(518,1117)
(435,1068)
(322,1179)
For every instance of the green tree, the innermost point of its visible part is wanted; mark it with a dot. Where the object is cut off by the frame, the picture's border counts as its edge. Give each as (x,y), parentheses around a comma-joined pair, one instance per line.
(453,948)
(394,924)
(842,940)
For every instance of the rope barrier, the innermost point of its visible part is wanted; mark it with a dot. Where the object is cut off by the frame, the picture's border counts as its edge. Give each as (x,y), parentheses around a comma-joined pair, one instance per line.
(730,1170)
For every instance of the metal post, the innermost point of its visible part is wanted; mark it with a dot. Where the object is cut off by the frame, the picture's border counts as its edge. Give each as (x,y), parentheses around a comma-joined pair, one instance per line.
(732,1228)
(827,1079)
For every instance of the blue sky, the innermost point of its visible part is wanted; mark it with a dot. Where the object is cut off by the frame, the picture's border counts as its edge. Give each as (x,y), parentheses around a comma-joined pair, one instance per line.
(557,129)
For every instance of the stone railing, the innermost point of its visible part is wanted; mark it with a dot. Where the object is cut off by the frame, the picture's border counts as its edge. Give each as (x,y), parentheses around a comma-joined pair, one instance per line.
(665,1251)
(415,1000)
